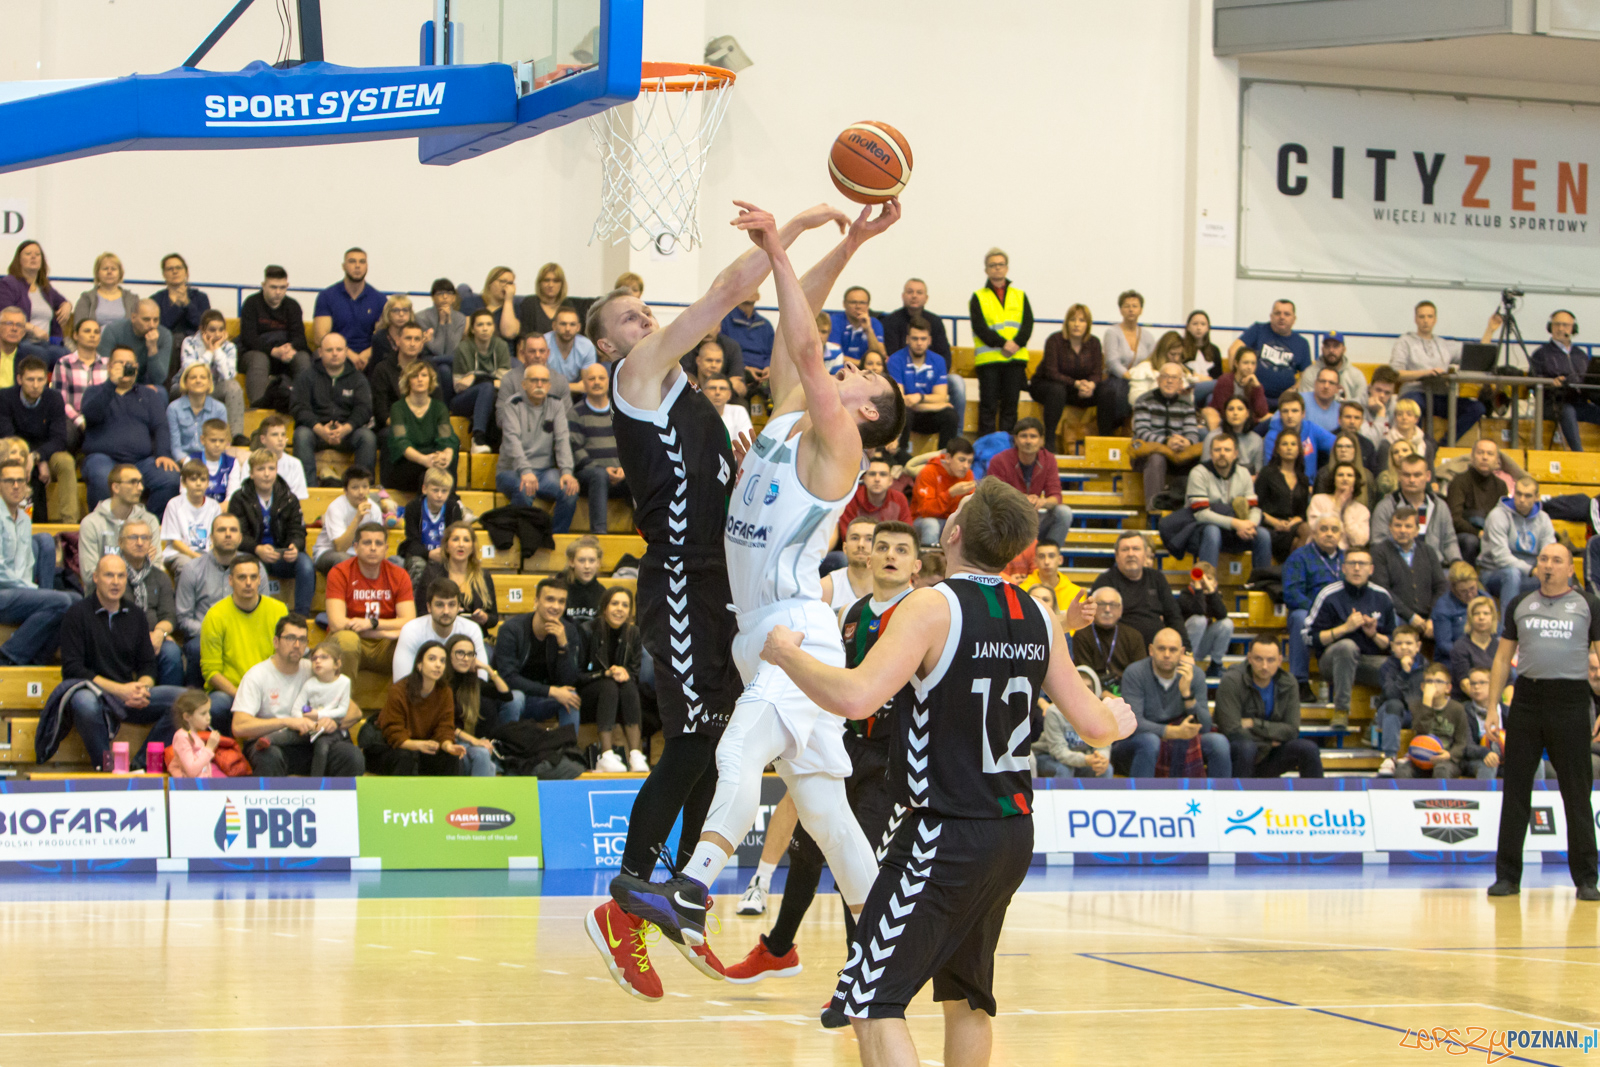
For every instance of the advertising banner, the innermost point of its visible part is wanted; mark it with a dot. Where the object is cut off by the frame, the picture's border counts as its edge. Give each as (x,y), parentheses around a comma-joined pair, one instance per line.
(1293,821)
(585,822)
(83,819)
(1461,819)
(450,823)
(273,819)
(1415,188)
(1126,820)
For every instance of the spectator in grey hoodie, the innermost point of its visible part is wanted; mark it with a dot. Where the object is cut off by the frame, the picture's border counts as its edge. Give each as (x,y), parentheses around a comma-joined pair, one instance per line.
(1061,753)
(1213,488)
(536,449)
(101,533)
(202,584)
(1513,534)
(1168,698)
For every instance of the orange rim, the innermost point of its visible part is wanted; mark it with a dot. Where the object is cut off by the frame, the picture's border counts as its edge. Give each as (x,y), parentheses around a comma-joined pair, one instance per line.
(682,78)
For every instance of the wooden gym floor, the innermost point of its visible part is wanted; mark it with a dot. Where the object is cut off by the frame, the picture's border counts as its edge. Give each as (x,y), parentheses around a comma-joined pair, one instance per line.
(1126,967)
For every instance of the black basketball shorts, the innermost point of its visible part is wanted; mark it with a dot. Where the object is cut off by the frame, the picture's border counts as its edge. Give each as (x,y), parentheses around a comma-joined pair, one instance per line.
(688,629)
(935,913)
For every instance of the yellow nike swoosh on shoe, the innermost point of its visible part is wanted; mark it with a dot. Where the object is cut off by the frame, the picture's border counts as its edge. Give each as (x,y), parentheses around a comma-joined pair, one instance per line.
(613,942)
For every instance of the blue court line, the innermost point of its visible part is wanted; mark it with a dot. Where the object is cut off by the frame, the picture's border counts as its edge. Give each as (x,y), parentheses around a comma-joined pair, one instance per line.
(1285,1003)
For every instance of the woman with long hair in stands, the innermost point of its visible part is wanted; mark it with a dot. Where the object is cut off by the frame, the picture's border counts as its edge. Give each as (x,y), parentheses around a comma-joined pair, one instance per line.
(1344,503)
(1238,420)
(499,298)
(477,704)
(1346,449)
(1199,348)
(397,311)
(417,726)
(461,566)
(1393,454)
(1069,378)
(549,293)
(26,286)
(609,683)
(1143,374)
(1284,494)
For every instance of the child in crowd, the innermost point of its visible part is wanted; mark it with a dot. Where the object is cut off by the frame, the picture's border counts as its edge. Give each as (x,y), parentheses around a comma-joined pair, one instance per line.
(1402,685)
(1436,714)
(272,528)
(327,699)
(356,505)
(211,349)
(1047,572)
(585,592)
(186,526)
(195,744)
(224,465)
(1481,761)
(274,435)
(1061,753)
(426,519)
(1205,617)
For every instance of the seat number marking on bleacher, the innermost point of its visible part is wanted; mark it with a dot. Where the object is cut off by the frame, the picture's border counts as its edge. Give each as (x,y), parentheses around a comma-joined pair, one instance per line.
(1280,610)
(1235,567)
(1555,466)
(36,689)
(488,552)
(1114,453)
(514,596)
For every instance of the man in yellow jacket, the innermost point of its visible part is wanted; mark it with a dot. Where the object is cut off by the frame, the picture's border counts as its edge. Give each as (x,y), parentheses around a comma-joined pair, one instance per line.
(1002,322)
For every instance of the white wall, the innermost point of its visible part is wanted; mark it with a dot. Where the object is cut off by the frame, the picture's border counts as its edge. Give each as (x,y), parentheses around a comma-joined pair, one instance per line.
(1091,146)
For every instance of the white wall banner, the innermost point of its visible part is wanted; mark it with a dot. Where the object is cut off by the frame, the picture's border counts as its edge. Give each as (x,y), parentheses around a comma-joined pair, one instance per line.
(16,219)
(83,819)
(264,818)
(1392,187)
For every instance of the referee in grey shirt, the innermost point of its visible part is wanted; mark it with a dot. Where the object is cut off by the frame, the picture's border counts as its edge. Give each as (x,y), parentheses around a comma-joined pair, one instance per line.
(1556,629)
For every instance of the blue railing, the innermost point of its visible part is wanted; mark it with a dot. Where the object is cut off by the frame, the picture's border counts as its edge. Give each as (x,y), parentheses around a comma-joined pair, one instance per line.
(953,323)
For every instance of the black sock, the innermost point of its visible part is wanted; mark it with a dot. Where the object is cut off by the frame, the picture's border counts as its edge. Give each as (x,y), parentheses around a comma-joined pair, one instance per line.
(674,785)
(799,889)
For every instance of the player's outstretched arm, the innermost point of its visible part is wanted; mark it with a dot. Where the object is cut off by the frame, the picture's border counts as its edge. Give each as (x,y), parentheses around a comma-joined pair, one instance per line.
(654,357)
(921,624)
(1098,722)
(819,281)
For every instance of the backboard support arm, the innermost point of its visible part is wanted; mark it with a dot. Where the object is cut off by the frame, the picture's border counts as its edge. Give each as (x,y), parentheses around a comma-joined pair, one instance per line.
(233,16)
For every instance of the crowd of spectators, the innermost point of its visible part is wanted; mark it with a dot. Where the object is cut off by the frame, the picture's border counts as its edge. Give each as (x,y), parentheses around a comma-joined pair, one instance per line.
(1389,560)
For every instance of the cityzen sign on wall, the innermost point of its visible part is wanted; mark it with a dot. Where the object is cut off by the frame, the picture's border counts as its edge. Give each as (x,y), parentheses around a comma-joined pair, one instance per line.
(1418,188)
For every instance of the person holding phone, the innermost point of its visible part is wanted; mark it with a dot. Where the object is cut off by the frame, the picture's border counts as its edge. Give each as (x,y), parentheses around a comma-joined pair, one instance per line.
(1168,698)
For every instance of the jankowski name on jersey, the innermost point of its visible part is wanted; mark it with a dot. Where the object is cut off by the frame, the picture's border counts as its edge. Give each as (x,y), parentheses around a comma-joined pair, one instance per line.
(1008,650)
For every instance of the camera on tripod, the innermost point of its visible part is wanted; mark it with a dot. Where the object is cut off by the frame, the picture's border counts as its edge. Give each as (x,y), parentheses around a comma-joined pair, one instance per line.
(1509,297)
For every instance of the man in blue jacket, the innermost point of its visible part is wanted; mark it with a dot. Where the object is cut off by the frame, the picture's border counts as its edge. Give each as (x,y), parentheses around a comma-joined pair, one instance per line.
(126,422)
(1309,570)
(1349,627)
(1315,442)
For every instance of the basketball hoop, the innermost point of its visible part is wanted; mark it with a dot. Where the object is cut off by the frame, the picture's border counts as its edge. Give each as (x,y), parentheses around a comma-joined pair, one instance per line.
(651,166)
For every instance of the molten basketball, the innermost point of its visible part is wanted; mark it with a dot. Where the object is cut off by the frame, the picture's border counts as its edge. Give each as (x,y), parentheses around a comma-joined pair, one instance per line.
(1425,751)
(870,162)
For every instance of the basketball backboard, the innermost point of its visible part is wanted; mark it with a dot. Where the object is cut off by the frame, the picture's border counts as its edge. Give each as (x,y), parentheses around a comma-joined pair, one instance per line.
(490,73)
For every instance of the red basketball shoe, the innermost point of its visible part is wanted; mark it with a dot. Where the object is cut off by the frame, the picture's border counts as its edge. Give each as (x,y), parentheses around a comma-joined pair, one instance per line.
(622,940)
(761,963)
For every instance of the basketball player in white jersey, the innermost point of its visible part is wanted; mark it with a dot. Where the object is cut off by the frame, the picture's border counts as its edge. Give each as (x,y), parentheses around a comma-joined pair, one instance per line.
(848,584)
(975,652)
(793,485)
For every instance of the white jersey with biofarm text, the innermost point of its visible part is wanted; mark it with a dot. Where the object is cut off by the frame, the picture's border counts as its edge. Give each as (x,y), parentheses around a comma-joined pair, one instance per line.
(777,530)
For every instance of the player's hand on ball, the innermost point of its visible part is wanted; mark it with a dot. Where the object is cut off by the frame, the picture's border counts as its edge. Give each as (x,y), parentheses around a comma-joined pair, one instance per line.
(866,226)
(1123,713)
(779,641)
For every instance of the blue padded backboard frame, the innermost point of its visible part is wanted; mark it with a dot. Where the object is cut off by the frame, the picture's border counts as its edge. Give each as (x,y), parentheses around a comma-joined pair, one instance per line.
(614,80)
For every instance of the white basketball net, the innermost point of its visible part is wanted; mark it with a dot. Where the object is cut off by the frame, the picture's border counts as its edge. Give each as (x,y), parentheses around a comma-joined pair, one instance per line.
(651,166)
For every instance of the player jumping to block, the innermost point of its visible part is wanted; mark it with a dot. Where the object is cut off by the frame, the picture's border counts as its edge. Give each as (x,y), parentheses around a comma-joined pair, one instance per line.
(793,484)
(675,452)
(976,653)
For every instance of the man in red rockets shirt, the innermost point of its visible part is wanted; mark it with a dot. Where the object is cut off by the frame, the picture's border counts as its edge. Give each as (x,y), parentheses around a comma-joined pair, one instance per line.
(1032,471)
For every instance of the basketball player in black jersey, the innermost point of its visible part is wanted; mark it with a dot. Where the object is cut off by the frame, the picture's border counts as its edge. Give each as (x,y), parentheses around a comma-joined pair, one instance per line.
(895,566)
(679,463)
(976,653)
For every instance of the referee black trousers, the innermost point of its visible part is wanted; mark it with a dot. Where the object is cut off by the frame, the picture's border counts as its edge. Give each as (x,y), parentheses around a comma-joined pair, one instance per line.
(1548,716)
